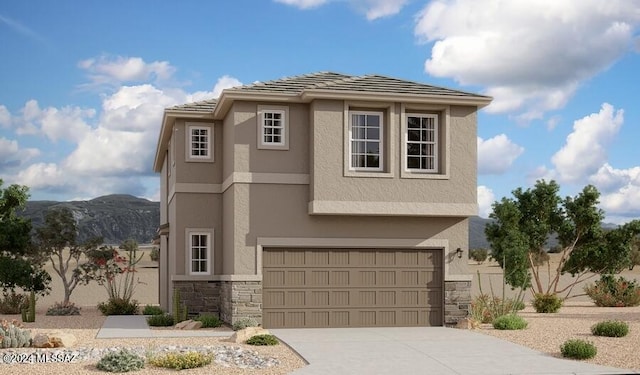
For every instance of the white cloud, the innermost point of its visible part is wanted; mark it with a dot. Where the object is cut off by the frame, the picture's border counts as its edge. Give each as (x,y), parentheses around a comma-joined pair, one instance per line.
(12,156)
(303,4)
(118,69)
(532,55)
(223,82)
(586,148)
(43,176)
(5,117)
(373,9)
(620,189)
(66,123)
(485,200)
(497,154)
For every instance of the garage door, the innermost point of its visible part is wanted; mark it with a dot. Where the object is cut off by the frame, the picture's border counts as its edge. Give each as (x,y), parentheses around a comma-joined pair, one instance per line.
(352,288)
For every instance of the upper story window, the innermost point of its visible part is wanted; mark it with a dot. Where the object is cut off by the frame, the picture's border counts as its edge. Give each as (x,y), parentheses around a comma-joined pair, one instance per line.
(199,142)
(421,142)
(273,127)
(366,141)
(199,248)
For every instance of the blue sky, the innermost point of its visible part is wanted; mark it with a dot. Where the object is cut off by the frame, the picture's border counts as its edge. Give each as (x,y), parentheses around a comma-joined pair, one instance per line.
(83,84)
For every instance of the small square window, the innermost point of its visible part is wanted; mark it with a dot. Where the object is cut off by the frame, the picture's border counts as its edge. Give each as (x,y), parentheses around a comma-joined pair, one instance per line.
(273,127)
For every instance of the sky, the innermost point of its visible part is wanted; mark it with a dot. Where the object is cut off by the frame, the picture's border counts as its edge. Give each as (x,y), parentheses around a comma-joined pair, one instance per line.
(83,84)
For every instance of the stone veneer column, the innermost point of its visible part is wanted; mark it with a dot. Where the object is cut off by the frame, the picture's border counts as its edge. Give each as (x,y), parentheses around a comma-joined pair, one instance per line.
(457,301)
(241,299)
(199,296)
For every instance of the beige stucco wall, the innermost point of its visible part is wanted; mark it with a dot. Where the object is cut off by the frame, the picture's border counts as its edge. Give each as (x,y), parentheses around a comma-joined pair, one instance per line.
(197,172)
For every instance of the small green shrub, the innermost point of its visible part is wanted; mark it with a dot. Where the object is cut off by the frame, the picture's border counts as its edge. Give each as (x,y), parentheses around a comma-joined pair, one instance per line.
(244,323)
(162,320)
(181,361)
(509,322)
(610,328)
(578,349)
(609,292)
(485,309)
(60,309)
(540,258)
(12,335)
(479,255)
(209,320)
(152,310)
(263,340)
(154,254)
(546,303)
(118,306)
(123,360)
(13,303)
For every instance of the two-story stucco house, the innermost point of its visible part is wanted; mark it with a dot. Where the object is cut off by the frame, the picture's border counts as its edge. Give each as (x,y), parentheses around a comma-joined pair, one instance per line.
(321,200)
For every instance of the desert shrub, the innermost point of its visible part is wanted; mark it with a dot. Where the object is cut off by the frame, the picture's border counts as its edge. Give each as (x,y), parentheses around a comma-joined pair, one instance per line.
(578,349)
(610,328)
(59,309)
(208,320)
(13,303)
(152,310)
(612,292)
(118,306)
(123,360)
(12,335)
(509,322)
(263,340)
(540,258)
(160,320)
(244,323)
(479,255)
(180,361)
(486,309)
(546,303)
(634,258)
(154,254)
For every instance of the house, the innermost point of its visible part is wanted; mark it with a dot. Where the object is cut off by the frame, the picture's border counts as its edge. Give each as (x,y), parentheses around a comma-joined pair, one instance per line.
(320,200)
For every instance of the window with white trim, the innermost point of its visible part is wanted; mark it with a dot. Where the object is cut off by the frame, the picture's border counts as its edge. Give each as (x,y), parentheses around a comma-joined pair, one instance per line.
(421,142)
(366,141)
(199,139)
(199,253)
(273,127)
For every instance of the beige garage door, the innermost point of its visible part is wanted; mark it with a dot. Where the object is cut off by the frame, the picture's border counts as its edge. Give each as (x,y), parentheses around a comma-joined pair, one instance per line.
(352,288)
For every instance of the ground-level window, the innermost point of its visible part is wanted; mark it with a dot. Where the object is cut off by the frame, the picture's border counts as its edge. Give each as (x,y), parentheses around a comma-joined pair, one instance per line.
(199,139)
(422,143)
(366,141)
(199,253)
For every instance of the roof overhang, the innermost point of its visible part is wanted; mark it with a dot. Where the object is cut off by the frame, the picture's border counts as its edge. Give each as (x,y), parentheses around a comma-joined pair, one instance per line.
(478,101)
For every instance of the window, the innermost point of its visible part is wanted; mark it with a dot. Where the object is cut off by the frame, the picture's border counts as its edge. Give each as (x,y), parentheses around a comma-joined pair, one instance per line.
(273,127)
(199,250)
(422,143)
(365,141)
(199,139)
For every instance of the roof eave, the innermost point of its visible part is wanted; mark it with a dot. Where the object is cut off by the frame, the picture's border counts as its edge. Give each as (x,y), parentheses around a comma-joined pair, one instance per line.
(479,101)
(228,96)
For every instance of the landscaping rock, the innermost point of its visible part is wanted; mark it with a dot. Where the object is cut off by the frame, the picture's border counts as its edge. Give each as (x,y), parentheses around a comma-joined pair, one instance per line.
(245,334)
(468,324)
(53,339)
(189,325)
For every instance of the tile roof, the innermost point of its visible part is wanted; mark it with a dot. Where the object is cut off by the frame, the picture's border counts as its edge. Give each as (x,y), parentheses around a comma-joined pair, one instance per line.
(202,106)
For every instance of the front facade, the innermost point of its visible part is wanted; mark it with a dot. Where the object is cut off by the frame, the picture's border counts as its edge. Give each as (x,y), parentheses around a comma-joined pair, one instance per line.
(321,200)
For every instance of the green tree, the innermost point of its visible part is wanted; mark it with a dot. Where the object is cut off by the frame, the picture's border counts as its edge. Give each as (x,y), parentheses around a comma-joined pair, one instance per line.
(16,268)
(57,241)
(522,225)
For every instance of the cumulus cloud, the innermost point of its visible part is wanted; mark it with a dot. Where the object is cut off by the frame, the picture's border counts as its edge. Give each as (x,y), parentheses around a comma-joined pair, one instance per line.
(497,154)
(485,200)
(113,70)
(620,189)
(585,150)
(66,123)
(5,117)
(531,55)
(373,9)
(224,82)
(12,156)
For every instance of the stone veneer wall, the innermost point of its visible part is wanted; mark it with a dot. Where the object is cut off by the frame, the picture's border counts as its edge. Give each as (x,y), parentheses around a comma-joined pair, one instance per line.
(240,299)
(199,296)
(457,301)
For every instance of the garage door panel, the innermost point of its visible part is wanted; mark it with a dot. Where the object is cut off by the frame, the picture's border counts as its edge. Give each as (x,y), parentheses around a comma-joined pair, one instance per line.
(351,287)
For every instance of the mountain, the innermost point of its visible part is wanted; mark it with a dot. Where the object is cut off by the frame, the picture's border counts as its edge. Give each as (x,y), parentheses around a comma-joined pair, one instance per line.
(116,217)
(477,239)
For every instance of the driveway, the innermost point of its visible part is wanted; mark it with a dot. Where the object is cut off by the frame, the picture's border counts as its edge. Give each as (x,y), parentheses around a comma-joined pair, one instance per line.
(430,350)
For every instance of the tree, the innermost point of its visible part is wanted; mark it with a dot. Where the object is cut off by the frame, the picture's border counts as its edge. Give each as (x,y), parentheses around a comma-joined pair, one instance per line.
(57,242)
(523,224)
(16,268)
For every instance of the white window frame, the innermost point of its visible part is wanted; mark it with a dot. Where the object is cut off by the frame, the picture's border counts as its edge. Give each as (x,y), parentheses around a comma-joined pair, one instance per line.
(435,143)
(381,156)
(263,110)
(208,250)
(189,142)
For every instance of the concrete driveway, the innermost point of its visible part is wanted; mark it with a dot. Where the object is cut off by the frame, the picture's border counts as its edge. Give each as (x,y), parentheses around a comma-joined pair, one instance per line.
(432,350)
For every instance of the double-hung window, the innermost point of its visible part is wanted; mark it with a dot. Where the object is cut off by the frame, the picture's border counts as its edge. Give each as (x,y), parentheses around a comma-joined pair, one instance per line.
(199,248)
(421,142)
(366,141)
(199,142)
(273,127)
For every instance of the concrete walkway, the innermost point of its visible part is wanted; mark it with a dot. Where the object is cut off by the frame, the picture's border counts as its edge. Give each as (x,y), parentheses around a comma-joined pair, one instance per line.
(434,350)
(135,326)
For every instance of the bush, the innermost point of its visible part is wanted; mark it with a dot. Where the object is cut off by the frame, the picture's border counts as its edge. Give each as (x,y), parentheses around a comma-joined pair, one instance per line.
(244,323)
(118,306)
(123,360)
(208,320)
(13,303)
(546,303)
(152,310)
(154,254)
(610,328)
(609,292)
(479,255)
(180,361)
(540,258)
(263,340)
(161,320)
(59,309)
(485,309)
(578,349)
(509,322)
